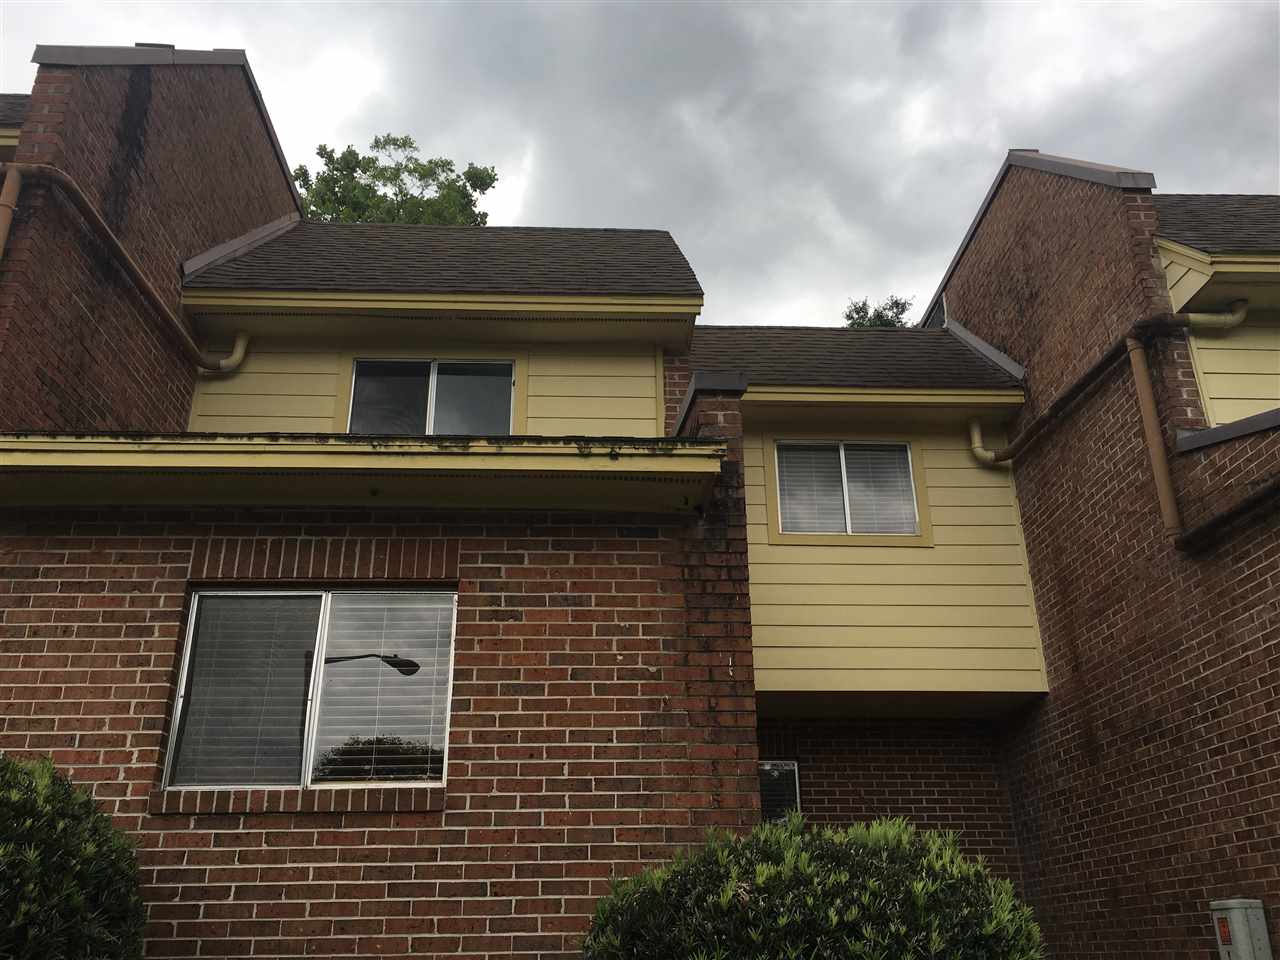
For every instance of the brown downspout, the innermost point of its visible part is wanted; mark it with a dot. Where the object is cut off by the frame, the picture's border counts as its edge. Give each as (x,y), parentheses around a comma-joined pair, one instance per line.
(13,173)
(1129,343)
(1155,439)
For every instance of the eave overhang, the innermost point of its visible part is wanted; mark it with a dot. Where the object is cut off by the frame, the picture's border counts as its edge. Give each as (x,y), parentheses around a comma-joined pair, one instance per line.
(782,403)
(1208,282)
(584,473)
(221,313)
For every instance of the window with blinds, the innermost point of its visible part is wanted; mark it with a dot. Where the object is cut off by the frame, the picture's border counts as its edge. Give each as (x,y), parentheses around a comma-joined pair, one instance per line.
(846,488)
(452,398)
(288,689)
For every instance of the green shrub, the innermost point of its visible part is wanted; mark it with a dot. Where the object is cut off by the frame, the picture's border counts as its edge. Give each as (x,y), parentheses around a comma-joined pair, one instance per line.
(879,891)
(68,878)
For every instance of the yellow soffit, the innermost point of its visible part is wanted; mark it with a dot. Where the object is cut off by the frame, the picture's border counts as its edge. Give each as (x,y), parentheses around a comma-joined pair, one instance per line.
(221,301)
(1219,262)
(581,473)
(907,397)
(9,136)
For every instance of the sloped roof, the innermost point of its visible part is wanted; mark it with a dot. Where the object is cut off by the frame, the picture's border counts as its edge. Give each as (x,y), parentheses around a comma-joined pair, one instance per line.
(910,358)
(406,258)
(1220,222)
(13,108)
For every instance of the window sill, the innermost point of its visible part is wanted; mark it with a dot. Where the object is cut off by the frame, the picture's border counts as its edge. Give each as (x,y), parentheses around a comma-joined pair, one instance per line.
(381,799)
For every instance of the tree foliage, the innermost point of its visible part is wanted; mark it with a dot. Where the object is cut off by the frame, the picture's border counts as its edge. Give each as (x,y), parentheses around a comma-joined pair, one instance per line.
(879,891)
(380,758)
(392,184)
(889,312)
(68,878)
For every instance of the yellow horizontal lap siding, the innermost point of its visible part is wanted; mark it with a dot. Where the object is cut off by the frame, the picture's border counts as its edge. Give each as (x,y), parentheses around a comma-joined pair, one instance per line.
(593,392)
(282,387)
(955,616)
(894,658)
(563,390)
(847,637)
(891,680)
(1238,370)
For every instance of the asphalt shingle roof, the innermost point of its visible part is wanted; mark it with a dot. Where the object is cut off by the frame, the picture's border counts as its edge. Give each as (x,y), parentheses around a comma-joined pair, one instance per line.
(1220,222)
(839,357)
(401,258)
(13,108)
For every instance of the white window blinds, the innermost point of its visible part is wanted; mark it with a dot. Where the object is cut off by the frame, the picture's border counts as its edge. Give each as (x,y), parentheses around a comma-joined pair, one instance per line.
(244,705)
(881,498)
(384,698)
(810,488)
(846,488)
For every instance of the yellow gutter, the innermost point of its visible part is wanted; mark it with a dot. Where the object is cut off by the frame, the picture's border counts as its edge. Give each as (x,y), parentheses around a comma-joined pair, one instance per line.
(228,300)
(941,397)
(246,453)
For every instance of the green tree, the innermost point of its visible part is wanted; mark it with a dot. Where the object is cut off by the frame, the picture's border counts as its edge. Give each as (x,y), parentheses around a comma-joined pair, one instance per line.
(788,891)
(392,184)
(68,878)
(888,313)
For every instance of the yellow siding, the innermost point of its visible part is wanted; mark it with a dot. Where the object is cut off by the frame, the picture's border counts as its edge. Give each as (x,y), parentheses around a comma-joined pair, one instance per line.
(561,390)
(1239,369)
(593,392)
(957,616)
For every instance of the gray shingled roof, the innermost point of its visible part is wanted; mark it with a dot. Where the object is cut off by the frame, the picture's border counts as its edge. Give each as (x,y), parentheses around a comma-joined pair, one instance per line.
(13,108)
(839,357)
(400,258)
(1220,222)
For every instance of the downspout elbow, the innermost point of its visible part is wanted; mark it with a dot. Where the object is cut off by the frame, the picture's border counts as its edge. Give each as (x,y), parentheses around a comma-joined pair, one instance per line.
(1218,321)
(228,364)
(990,458)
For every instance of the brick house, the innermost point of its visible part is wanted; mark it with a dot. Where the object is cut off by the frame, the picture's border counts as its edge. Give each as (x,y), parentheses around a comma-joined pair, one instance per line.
(395,587)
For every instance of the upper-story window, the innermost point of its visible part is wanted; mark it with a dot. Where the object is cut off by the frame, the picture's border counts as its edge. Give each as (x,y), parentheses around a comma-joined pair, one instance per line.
(296,688)
(846,488)
(448,397)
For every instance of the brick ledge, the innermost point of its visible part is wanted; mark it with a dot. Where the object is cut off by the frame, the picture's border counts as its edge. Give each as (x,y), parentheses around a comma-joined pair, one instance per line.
(297,800)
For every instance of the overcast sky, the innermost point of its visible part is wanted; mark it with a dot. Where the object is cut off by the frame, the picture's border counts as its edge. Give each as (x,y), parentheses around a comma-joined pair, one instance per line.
(801,155)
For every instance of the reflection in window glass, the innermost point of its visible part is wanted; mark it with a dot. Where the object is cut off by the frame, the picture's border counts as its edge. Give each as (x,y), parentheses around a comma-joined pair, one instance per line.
(473,399)
(384,696)
(390,396)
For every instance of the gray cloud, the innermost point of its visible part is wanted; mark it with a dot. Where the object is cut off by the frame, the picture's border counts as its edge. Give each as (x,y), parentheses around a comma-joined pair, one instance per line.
(800,154)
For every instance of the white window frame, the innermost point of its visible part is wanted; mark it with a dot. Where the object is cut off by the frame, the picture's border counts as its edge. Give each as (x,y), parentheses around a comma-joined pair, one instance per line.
(313,700)
(844,483)
(431,385)
(795,770)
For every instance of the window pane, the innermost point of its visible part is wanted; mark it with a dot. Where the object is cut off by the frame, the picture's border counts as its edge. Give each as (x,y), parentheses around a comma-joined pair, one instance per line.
(810,488)
(881,499)
(390,396)
(246,695)
(384,697)
(779,793)
(473,399)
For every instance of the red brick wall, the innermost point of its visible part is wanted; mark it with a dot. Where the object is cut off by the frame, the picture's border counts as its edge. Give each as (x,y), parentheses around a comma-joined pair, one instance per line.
(939,774)
(603,715)
(177,160)
(1142,786)
(675,377)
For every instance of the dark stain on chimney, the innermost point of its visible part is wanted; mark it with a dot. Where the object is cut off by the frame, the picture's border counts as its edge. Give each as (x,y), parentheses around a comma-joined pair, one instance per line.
(130,146)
